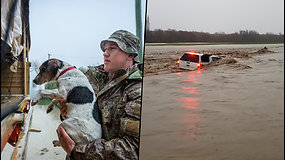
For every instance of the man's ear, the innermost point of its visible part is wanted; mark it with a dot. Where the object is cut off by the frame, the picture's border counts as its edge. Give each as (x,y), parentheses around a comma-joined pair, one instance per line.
(131,56)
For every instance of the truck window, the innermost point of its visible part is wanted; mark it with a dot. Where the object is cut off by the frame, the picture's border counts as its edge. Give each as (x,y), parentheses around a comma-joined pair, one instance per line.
(215,58)
(190,57)
(205,58)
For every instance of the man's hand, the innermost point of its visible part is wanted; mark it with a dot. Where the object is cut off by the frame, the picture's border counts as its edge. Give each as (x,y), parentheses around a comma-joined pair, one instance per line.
(66,142)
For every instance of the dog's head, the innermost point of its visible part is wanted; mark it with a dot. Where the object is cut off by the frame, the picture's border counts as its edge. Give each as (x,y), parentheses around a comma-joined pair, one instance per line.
(48,71)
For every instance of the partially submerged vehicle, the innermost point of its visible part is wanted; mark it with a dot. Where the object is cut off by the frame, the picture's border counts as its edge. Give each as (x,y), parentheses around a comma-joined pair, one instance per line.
(192,60)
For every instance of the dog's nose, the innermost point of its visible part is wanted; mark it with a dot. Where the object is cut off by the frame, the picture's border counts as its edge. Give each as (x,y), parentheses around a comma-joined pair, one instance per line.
(35,81)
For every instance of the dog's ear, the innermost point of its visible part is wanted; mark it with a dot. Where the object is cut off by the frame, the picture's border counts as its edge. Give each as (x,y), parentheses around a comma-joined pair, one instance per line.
(52,66)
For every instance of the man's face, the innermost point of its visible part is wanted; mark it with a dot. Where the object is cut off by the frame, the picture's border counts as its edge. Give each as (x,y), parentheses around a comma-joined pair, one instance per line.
(114,57)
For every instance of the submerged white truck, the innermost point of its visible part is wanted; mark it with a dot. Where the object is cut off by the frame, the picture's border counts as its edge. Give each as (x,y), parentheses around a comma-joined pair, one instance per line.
(192,60)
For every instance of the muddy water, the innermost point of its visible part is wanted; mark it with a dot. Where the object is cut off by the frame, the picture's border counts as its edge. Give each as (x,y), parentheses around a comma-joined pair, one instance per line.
(40,144)
(218,113)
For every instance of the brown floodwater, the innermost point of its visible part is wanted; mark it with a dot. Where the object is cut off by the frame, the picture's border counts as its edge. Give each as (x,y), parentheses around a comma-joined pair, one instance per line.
(222,112)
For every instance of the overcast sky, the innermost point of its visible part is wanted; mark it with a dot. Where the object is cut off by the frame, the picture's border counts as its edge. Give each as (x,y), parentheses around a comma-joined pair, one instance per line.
(71,30)
(217,15)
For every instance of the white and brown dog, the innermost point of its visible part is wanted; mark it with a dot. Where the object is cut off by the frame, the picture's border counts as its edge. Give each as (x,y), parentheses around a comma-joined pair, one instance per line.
(82,122)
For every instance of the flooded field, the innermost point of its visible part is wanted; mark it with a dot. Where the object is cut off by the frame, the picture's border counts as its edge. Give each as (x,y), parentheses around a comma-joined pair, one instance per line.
(162,59)
(225,111)
(40,143)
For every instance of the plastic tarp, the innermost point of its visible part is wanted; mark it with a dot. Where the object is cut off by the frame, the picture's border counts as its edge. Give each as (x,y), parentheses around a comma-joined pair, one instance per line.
(15,35)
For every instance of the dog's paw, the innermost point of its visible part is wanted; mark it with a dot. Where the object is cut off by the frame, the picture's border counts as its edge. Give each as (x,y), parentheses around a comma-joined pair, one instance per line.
(56,143)
(49,109)
(34,102)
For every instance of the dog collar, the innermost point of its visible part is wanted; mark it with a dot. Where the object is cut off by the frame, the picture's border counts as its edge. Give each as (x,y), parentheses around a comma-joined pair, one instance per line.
(70,68)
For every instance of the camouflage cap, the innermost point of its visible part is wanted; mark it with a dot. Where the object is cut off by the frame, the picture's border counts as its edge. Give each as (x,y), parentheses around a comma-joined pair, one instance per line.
(126,41)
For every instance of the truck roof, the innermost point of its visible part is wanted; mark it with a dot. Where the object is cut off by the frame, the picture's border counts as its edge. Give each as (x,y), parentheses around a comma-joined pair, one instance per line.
(189,52)
(199,54)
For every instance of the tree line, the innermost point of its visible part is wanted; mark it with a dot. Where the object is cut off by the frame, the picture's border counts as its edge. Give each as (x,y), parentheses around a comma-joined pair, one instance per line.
(248,36)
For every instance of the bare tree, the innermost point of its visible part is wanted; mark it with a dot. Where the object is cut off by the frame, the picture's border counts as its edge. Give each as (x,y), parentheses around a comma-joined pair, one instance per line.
(35,64)
(147,23)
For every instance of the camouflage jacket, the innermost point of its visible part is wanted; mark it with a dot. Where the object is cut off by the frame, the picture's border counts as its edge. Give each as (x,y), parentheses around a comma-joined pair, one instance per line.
(119,102)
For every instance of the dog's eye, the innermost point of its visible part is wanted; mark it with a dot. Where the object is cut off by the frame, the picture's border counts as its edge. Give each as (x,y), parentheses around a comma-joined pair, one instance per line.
(43,69)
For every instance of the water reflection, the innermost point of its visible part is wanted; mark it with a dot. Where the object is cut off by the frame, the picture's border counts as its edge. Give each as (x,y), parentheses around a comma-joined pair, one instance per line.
(193,80)
(190,102)
(192,90)
(192,129)
(192,76)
